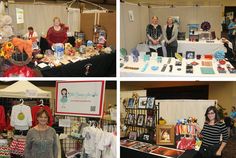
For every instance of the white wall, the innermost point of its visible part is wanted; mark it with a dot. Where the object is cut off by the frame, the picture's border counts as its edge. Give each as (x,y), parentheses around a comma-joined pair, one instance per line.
(132,33)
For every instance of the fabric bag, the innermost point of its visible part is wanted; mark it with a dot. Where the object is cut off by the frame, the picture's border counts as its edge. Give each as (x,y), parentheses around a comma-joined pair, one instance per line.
(186,143)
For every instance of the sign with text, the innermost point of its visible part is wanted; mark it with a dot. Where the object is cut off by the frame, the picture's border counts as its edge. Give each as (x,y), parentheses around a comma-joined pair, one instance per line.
(80,98)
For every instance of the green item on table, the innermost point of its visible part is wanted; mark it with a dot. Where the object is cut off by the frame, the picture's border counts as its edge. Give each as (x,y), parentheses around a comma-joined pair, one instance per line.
(207,70)
(123,52)
(146,58)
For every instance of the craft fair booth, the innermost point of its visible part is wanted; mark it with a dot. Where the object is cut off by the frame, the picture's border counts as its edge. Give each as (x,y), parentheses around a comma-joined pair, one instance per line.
(69,116)
(158,128)
(85,49)
(137,58)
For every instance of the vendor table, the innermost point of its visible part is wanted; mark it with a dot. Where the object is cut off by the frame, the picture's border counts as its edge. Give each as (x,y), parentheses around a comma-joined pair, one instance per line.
(144,69)
(103,65)
(134,153)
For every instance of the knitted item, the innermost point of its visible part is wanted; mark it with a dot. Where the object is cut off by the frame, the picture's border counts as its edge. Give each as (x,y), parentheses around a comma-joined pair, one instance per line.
(5,152)
(17,147)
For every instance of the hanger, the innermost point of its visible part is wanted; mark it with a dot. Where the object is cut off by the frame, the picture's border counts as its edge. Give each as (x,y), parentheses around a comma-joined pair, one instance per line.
(21,101)
(41,104)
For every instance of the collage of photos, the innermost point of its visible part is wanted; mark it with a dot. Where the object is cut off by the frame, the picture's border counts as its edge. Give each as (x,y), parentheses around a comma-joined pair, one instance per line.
(117,78)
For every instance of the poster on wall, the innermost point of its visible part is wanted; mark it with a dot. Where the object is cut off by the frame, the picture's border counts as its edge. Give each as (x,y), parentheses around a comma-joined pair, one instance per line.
(19,16)
(80,98)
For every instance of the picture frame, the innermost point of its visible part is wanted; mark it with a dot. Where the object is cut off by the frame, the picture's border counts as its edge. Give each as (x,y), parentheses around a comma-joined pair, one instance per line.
(140,119)
(130,103)
(165,135)
(146,137)
(150,102)
(142,102)
(190,55)
(133,135)
(150,121)
(131,119)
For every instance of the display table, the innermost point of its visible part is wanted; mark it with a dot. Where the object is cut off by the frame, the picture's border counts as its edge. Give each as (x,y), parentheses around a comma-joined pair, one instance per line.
(144,69)
(103,65)
(135,153)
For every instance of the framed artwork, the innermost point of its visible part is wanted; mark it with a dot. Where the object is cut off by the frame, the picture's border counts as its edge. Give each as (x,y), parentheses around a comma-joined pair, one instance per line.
(140,119)
(142,102)
(190,55)
(133,135)
(131,119)
(165,135)
(80,98)
(146,137)
(150,121)
(150,102)
(167,152)
(130,103)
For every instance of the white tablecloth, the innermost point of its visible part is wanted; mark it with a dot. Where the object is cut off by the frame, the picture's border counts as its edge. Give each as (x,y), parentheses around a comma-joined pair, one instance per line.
(175,73)
(201,47)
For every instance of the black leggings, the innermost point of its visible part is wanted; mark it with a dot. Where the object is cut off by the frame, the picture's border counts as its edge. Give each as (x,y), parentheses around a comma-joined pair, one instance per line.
(209,152)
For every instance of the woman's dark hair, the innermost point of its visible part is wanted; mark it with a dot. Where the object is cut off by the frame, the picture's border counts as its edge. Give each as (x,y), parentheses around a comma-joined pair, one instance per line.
(40,113)
(30,28)
(212,108)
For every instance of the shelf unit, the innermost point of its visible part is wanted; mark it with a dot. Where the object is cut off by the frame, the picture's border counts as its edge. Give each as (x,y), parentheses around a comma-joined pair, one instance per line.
(155,113)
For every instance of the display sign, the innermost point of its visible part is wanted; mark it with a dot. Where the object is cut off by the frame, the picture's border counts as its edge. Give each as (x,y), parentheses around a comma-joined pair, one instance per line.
(80,98)
(19,16)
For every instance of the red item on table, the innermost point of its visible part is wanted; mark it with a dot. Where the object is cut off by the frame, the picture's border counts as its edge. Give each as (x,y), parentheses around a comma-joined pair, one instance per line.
(208,56)
(222,62)
(19,71)
(186,144)
(54,36)
(34,111)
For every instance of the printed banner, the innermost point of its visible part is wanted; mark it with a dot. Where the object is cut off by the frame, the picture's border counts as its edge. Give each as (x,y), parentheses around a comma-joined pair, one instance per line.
(80,98)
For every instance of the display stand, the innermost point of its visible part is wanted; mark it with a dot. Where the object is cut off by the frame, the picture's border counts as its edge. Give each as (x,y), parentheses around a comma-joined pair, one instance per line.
(143,129)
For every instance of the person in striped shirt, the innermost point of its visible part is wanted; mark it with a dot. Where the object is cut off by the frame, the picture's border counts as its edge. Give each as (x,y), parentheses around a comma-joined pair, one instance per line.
(215,135)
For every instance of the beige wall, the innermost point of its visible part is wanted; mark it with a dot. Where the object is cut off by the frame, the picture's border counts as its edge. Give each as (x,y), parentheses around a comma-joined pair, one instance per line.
(191,15)
(224,92)
(38,16)
(132,33)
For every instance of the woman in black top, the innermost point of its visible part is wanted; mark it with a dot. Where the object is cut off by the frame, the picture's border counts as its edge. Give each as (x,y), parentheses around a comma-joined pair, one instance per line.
(212,145)
(154,34)
(170,33)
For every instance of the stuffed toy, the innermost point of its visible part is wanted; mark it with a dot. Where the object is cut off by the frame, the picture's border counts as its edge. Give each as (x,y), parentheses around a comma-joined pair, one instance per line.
(5,24)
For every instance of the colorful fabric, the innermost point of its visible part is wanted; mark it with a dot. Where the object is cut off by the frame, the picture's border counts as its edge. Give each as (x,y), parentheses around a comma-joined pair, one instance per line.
(17,147)
(5,152)
(2,118)
(19,71)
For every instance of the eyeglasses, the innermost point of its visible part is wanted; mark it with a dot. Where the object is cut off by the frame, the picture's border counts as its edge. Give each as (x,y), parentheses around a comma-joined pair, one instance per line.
(210,113)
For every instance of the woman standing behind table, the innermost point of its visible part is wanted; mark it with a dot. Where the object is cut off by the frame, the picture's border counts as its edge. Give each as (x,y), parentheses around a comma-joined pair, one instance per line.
(41,140)
(212,145)
(154,35)
(170,34)
(57,33)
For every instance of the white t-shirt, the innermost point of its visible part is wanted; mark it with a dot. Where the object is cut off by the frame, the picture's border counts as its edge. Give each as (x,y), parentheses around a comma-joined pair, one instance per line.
(89,135)
(27,35)
(108,145)
(21,117)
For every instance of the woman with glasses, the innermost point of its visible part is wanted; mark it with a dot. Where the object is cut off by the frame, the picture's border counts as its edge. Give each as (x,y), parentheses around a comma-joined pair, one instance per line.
(212,144)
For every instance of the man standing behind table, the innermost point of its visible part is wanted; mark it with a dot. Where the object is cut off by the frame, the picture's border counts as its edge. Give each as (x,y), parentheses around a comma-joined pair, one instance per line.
(232,33)
(154,34)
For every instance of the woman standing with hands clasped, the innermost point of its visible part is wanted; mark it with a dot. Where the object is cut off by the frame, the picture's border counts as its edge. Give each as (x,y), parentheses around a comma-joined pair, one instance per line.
(41,140)
(212,144)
